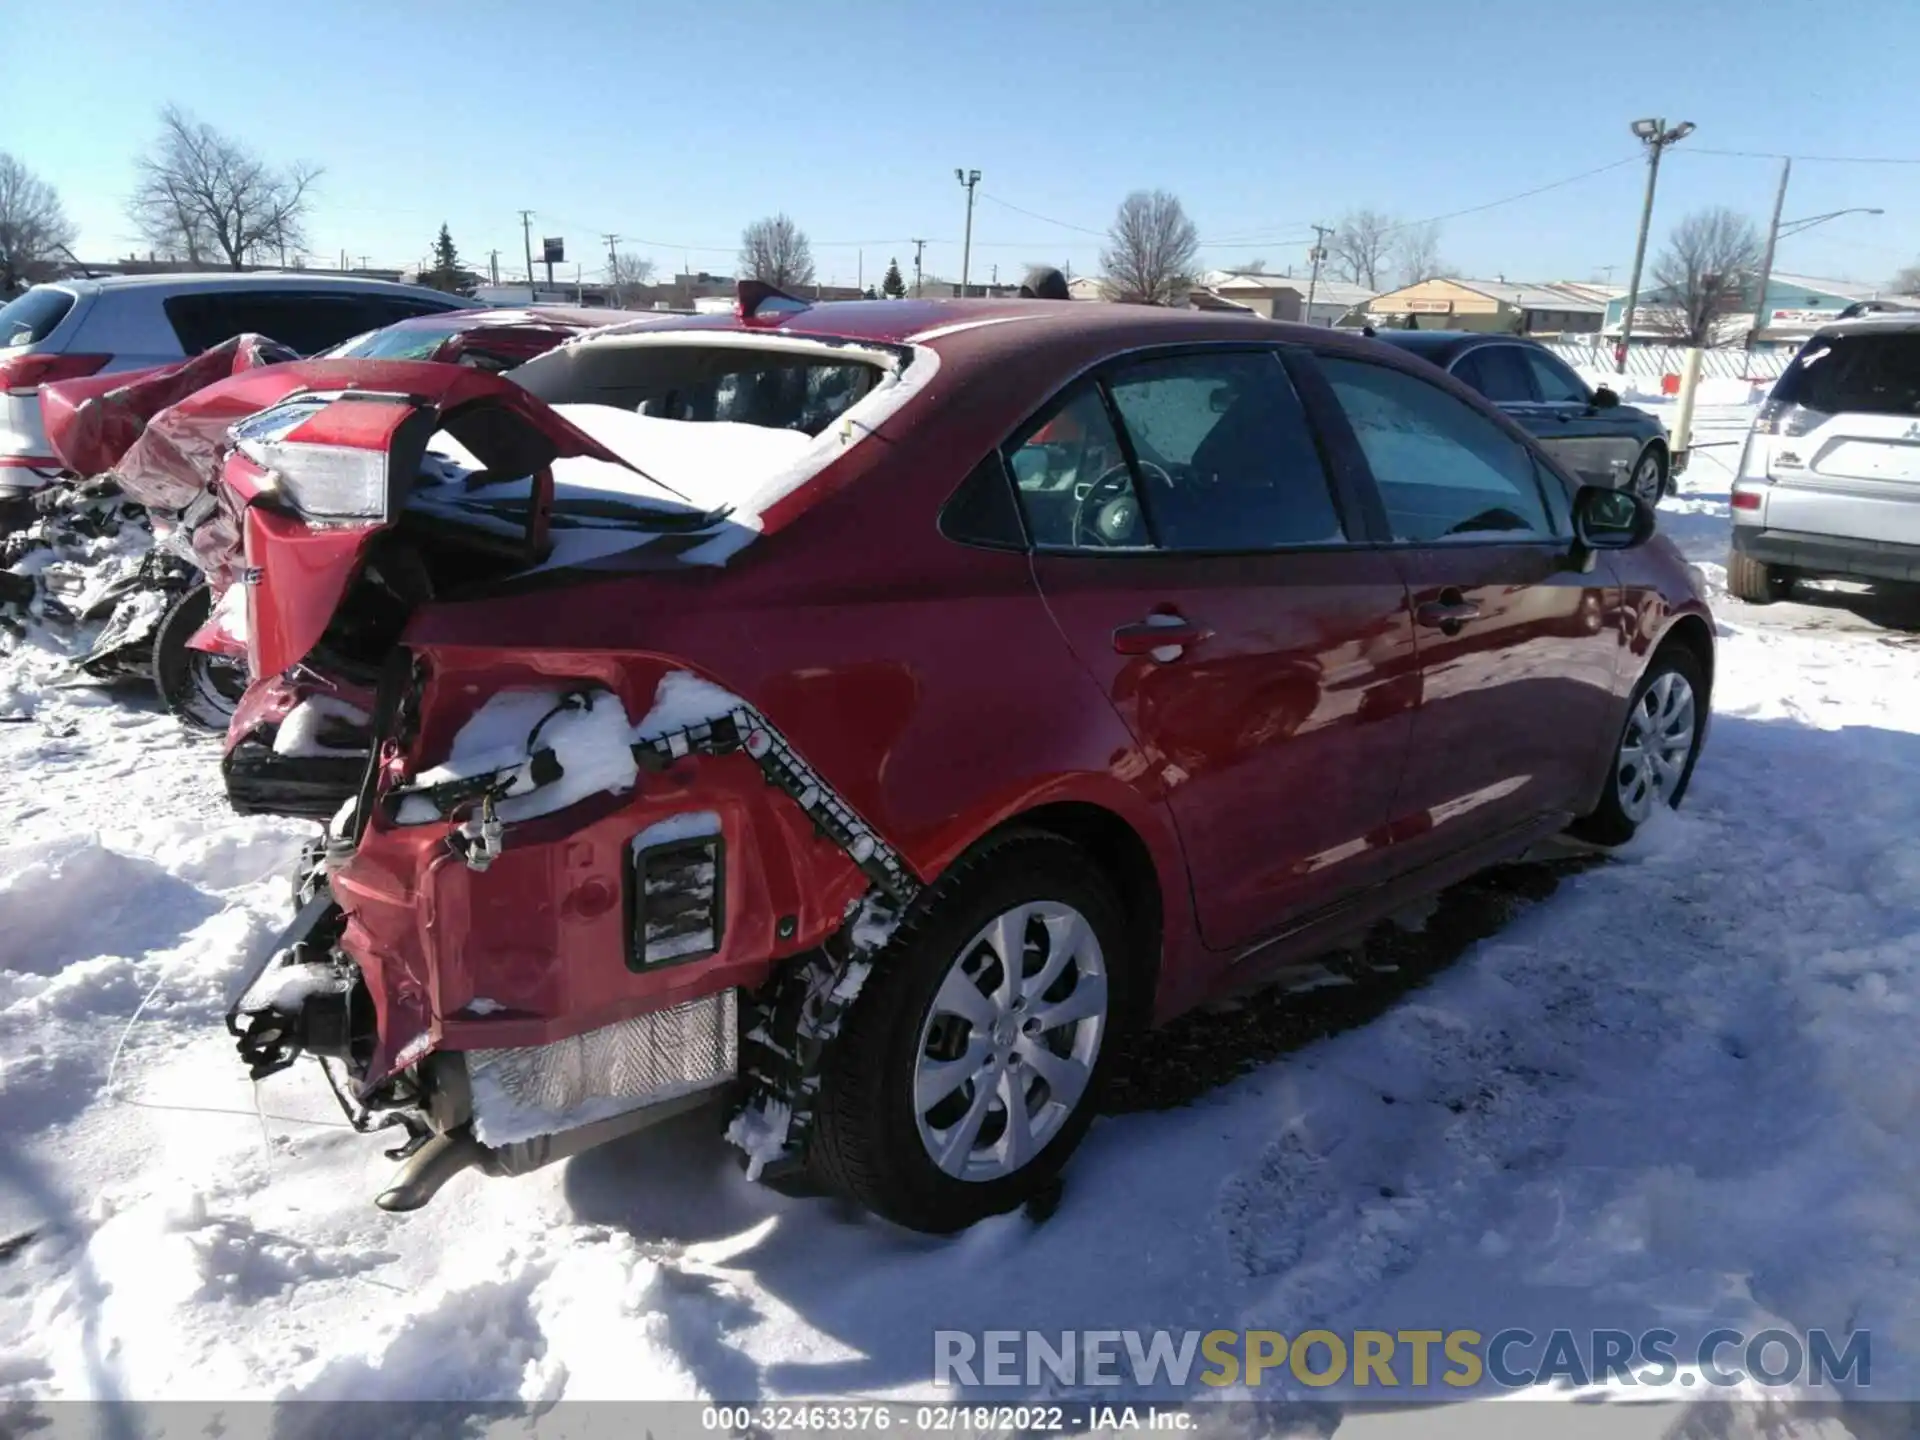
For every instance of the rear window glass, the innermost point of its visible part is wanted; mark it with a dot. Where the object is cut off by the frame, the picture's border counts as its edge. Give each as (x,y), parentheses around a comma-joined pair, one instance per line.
(28,319)
(415,342)
(770,391)
(1871,374)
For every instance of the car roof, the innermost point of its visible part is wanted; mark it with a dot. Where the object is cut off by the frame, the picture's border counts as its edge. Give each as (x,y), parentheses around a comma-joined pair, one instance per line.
(553,317)
(1880,323)
(1009,323)
(252,280)
(1441,346)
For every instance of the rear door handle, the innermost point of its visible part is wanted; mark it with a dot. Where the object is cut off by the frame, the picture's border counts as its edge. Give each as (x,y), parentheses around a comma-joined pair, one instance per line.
(1157,633)
(1448,613)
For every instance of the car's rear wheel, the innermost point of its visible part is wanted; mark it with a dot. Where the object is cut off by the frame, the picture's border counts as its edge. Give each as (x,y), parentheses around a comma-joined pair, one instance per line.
(202,691)
(1648,478)
(1654,757)
(971,1064)
(1755,581)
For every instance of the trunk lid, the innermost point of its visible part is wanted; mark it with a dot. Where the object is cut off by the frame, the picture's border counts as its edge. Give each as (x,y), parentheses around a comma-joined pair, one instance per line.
(284,477)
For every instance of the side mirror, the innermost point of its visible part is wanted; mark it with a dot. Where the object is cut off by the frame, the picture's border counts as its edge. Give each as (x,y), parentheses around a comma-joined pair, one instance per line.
(1604,399)
(1608,519)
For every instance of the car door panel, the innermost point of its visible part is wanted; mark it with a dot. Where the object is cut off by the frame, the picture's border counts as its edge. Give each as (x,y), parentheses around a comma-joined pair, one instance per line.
(1263,666)
(1277,736)
(1516,671)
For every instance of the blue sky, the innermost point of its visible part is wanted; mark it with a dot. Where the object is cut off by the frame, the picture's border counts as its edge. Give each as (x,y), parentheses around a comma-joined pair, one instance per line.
(676,125)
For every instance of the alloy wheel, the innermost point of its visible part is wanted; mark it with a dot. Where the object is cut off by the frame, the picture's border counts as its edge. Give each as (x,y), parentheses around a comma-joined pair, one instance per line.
(1656,746)
(1645,481)
(1009,1043)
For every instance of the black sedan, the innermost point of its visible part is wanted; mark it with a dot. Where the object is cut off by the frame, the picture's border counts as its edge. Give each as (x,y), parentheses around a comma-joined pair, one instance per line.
(1590,431)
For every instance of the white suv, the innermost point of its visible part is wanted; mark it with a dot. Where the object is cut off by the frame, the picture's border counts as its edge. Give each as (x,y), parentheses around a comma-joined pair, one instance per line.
(127,322)
(1829,481)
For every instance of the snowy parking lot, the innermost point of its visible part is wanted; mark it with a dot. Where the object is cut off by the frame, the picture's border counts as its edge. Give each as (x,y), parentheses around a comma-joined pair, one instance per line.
(1665,1088)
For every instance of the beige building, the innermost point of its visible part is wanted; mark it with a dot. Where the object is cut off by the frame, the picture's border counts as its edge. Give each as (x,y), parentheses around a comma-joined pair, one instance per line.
(1491,307)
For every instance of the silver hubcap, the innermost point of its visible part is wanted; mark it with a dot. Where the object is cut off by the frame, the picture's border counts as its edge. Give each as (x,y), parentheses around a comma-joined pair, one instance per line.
(1654,751)
(1009,1044)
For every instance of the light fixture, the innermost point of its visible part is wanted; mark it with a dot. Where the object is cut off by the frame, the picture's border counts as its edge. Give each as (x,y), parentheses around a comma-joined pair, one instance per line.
(1646,129)
(1680,131)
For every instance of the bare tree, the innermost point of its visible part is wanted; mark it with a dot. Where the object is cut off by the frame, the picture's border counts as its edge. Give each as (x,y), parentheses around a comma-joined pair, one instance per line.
(1361,245)
(33,228)
(1703,273)
(627,275)
(1252,267)
(205,196)
(775,250)
(1153,250)
(1415,253)
(1907,282)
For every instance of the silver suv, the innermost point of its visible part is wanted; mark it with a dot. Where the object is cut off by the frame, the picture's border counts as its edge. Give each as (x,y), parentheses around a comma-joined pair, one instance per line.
(127,322)
(1829,481)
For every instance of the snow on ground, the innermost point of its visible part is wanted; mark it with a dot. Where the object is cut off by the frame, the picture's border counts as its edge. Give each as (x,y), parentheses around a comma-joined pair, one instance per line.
(1678,1090)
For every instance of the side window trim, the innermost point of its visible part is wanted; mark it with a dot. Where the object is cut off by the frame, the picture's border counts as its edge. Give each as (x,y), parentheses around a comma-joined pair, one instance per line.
(1386,540)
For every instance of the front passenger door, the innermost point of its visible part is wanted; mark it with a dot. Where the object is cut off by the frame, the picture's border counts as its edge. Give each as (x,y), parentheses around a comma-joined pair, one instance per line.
(1598,448)
(1516,671)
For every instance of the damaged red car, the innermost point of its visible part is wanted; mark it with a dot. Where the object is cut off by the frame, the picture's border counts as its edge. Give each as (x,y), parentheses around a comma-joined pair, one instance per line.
(880,709)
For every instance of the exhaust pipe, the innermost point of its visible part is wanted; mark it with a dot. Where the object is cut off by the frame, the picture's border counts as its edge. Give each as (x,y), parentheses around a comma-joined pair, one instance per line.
(446,1155)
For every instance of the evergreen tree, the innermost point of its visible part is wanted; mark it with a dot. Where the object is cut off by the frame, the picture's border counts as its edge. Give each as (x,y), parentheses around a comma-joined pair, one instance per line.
(448,273)
(892,286)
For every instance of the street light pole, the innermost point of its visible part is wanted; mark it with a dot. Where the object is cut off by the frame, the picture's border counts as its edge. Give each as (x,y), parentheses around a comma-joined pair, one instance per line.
(969,179)
(1766,255)
(1656,137)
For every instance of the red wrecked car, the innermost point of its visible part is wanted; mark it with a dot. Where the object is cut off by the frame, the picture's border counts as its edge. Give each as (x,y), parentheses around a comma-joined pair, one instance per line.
(160,607)
(881,708)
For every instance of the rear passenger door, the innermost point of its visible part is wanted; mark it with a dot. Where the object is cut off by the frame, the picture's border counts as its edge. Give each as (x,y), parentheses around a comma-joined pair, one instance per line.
(1516,673)
(1193,548)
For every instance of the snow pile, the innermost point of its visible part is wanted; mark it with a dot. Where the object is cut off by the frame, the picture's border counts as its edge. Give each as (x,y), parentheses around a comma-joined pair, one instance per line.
(711,464)
(308,726)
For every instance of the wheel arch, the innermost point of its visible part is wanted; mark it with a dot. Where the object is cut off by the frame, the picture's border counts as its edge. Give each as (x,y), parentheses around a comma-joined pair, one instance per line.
(1691,632)
(1124,857)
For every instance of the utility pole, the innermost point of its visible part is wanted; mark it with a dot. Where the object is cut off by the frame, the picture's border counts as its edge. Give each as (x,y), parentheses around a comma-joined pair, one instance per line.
(526,236)
(1655,135)
(968,179)
(615,291)
(493,267)
(1766,256)
(1319,253)
(918,246)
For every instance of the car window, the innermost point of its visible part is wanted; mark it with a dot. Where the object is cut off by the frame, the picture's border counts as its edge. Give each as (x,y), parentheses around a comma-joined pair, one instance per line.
(1445,471)
(29,318)
(308,323)
(416,342)
(1225,452)
(1498,372)
(1864,374)
(1075,487)
(1555,380)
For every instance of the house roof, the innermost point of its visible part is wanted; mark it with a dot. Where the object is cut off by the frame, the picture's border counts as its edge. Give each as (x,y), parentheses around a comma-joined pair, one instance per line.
(1326,290)
(1525,295)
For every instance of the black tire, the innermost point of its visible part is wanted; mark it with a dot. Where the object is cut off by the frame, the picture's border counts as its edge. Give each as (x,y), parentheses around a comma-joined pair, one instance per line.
(1755,581)
(866,1143)
(201,691)
(1610,824)
(1637,483)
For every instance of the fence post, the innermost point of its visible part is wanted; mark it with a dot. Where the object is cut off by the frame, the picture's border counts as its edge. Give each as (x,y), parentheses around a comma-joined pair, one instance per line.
(1683,422)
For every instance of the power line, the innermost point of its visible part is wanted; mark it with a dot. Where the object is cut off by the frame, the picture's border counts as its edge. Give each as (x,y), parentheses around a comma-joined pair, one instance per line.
(1813,159)
(1036,215)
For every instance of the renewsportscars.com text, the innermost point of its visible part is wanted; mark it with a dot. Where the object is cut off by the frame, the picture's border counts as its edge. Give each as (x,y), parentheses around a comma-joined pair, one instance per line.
(1409,1359)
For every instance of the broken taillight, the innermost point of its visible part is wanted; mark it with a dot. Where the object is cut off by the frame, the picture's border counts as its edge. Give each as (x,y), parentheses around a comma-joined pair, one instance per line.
(24,372)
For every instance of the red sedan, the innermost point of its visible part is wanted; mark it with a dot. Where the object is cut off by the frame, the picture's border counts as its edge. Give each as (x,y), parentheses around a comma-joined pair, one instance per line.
(879,708)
